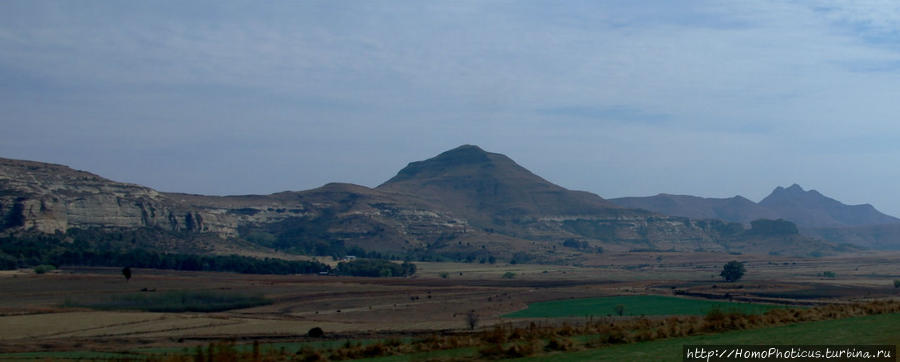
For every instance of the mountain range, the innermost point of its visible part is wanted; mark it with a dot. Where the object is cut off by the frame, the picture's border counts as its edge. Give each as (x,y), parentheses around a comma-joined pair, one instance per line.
(815,214)
(807,209)
(464,204)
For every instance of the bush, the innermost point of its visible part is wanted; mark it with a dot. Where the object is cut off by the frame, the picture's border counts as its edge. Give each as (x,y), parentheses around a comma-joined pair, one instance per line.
(509,275)
(315,332)
(41,269)
(897,283)
(829,274)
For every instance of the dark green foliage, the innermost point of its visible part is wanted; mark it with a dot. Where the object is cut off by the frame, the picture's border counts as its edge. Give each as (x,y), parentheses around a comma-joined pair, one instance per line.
(375,268)
(315,332)
(575,244)
(829,274)
(766,227)
(732,271)
(126,272)
(897,283)
(41,249)
(176,302)
(509,275)
(7,262)
(41,269)
(308,236)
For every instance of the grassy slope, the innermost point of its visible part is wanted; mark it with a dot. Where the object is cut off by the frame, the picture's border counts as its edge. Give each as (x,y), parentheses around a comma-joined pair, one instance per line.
(634,305)
(877,329)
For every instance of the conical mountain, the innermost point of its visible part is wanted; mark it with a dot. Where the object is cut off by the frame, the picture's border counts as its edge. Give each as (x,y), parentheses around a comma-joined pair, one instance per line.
(812,209)
(485,186)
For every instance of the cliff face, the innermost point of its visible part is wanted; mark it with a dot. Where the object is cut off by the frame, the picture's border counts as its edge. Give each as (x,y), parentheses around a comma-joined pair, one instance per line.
(463,204)
(50,198)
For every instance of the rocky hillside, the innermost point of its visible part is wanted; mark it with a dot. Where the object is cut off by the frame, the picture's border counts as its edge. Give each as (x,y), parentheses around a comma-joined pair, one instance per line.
(464,204)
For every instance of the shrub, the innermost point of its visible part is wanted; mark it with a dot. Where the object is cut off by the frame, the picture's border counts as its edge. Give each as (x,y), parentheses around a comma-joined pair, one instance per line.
(445,275)
(897,283)
(509,275)
(315,332)
(472,319)
(41,269)
(558,344)
(619,309)
(829,274)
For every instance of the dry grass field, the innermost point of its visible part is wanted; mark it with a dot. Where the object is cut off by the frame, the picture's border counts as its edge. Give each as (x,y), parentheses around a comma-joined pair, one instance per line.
(435,299)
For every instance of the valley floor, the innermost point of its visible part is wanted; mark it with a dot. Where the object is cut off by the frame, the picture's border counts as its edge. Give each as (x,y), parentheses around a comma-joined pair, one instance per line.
(437,298)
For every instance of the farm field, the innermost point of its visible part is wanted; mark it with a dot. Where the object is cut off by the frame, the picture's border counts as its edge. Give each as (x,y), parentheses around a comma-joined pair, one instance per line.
(878,329)
(634,305)
(34,318)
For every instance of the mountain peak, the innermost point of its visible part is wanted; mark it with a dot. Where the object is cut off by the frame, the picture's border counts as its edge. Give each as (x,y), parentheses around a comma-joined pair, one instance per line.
(464,154)
(480,184)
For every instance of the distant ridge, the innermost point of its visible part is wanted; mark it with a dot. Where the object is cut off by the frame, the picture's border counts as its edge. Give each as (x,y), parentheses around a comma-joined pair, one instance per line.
(807,209)
(812,209)
(464,204)
(734,209)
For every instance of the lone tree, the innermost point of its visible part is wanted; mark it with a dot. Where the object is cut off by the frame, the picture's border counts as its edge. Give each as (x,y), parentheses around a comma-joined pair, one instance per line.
(472,319)
(126,271)
(620,309)
(733,271)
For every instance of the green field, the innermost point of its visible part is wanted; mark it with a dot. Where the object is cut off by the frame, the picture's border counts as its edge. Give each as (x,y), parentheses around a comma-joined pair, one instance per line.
(877,329)
(634,305)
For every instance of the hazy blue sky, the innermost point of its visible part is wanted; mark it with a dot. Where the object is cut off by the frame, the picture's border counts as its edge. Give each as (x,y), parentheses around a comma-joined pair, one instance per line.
(620,98)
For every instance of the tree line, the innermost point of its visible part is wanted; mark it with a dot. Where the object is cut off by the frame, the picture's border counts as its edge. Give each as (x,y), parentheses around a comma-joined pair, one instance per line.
(34,250)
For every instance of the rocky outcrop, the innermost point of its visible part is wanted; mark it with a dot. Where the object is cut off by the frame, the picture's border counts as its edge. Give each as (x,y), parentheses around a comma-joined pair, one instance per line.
(464,204)
(52,198)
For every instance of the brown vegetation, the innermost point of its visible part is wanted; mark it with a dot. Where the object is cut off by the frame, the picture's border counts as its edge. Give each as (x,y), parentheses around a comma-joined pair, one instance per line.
(507,341)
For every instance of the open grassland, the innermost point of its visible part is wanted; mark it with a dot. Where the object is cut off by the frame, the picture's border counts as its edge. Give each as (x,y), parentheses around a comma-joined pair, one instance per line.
(634,305)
